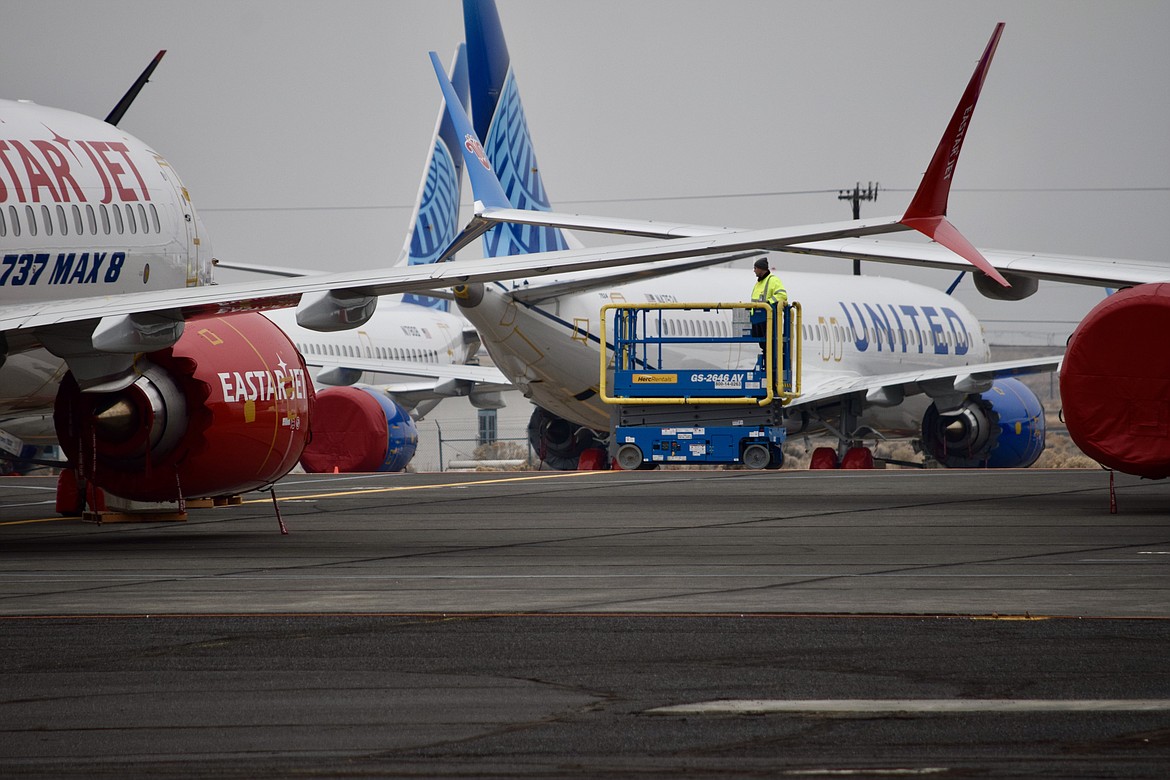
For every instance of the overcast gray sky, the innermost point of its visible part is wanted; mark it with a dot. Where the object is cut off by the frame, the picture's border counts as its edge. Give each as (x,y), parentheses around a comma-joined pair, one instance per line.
(300,127)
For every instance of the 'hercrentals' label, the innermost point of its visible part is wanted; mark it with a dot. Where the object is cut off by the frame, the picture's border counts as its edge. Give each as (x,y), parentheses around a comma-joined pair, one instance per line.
(655,379)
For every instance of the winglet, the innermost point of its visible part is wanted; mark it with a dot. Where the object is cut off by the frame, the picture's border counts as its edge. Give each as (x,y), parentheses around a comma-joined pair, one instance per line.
(485,186)
(119,111)
(927,211)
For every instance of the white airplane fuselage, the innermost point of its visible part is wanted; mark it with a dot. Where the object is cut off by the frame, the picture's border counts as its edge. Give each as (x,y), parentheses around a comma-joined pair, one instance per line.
(397,331)
(853,326)
(85,210)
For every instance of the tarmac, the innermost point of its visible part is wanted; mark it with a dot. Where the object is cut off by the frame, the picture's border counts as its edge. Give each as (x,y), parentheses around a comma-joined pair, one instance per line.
(584,624)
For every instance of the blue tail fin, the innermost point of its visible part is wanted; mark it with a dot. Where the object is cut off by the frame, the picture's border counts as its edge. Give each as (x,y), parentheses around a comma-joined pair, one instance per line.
(435,220)
(499,121)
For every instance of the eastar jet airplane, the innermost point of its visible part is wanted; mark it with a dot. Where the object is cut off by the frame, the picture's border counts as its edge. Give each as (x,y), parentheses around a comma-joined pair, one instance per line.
(159,385)
(881,356)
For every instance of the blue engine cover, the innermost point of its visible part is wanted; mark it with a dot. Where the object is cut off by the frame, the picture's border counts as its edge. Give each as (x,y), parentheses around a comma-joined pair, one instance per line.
(1021,424)
(401,434)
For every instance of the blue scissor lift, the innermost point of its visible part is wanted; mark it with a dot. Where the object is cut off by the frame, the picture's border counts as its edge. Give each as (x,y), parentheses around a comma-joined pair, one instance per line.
(670,414)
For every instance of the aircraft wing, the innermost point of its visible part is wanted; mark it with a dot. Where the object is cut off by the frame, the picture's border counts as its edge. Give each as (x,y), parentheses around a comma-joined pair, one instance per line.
(1073,269)
(187,302)
(537,291)
(482,375)
(889,389)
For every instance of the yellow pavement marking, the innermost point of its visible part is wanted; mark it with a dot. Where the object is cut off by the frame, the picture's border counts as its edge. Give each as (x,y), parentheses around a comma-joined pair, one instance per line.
(362,492)
(371,491)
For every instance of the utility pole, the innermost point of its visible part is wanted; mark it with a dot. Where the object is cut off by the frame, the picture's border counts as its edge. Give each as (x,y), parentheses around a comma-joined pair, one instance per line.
(858,195)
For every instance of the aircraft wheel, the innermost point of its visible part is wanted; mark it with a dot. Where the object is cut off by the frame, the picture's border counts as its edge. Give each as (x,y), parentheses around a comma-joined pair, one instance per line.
(777,459)
(629,457)
(756,456)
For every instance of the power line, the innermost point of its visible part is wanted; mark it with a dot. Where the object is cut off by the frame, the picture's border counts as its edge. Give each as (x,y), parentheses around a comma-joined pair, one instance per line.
(710,196)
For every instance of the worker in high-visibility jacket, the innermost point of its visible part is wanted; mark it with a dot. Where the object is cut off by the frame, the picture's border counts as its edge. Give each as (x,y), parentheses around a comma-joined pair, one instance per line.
(767,289)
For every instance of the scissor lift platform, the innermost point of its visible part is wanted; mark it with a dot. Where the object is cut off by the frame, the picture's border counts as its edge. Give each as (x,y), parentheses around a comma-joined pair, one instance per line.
(664,414)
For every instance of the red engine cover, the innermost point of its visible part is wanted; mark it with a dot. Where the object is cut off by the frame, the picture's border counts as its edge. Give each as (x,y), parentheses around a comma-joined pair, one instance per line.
(1115,382)
(240,399)
(349,433)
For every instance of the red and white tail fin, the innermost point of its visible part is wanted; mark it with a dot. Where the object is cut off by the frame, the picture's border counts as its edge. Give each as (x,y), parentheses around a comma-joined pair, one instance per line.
(927,211)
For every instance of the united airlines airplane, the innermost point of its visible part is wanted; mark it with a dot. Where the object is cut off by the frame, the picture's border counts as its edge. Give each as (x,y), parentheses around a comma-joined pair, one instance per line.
(882,357)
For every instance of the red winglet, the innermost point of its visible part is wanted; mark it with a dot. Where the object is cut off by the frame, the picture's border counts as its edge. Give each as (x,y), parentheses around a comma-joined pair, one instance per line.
(927,211)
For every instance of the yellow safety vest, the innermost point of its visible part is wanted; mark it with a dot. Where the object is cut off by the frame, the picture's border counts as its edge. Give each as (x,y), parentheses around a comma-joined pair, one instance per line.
(769,290)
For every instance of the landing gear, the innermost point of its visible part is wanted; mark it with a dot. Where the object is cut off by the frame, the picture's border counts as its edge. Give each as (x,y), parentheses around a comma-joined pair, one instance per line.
(823,458)
(558,442)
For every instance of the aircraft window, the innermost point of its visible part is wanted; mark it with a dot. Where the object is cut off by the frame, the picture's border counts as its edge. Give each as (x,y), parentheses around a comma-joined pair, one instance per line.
(91,218)
(15,220)
(62,222)
(47,218)
(31,219)
(3,227)
(142,218)
(131,224)
(119,227)
(78,225)
(105,219)
(154,219)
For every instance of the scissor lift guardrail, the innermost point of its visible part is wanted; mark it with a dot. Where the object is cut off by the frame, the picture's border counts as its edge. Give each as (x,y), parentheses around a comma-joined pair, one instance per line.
(666,414)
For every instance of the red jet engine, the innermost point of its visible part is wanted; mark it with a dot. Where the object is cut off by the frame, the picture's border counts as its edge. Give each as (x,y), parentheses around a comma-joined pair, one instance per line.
(223,411)
(1115,382)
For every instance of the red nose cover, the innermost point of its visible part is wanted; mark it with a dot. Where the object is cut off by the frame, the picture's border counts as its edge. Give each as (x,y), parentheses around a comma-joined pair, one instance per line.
(247,403)
(1115,382)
